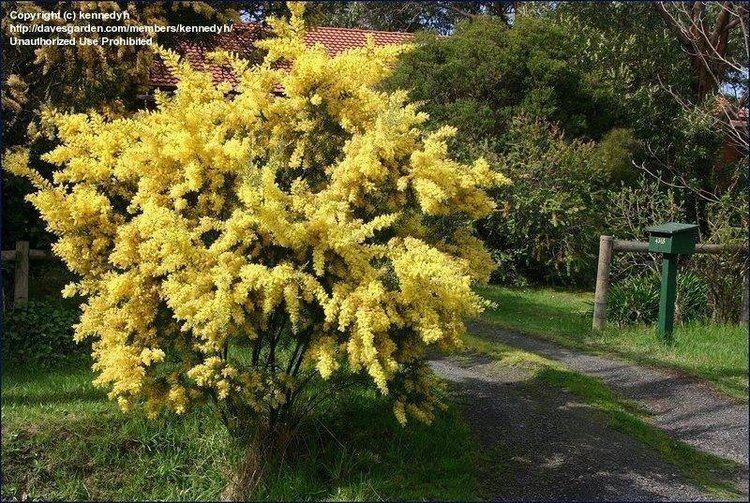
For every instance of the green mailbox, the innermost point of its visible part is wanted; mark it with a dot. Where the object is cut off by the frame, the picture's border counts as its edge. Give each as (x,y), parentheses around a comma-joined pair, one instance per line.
(670,239)
(673,237)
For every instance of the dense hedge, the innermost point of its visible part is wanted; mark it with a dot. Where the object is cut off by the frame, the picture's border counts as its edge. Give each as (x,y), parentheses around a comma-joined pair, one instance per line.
(41,332)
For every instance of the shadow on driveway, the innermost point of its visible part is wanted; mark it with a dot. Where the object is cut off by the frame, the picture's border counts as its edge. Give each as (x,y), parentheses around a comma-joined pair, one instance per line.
(545,444)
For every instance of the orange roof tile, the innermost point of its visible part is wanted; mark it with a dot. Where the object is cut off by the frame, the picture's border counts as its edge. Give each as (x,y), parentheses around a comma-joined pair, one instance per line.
(241,41)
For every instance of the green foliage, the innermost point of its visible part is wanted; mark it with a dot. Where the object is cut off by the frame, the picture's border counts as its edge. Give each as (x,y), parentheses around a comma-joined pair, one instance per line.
(41,332)
(696,144)
(613,37)
(632,208)
(656,98)
(486,74)
(437,16)
(692,295)
(546,225)
(727,220)
(636,299)
(519,98)
(614,154)
(727,215)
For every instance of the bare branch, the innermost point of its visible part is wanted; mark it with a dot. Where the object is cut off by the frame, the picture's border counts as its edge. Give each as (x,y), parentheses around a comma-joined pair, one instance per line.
(703,194)
(674,24)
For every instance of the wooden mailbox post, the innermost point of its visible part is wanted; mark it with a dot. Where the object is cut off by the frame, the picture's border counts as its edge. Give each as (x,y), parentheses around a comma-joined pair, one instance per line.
(671,240)
(608,245)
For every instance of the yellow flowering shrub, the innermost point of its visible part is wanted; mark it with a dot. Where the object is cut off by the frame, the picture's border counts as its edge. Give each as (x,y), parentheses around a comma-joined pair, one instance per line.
(234,242)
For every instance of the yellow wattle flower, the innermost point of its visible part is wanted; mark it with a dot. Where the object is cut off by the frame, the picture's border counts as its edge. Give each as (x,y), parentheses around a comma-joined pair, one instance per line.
(213,228)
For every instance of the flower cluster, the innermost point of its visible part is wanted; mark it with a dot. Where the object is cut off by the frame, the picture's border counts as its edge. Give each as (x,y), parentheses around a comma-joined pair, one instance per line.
(223,229)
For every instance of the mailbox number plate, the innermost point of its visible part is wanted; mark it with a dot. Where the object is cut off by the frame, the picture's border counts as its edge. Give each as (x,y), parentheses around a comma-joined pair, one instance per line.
(660,241)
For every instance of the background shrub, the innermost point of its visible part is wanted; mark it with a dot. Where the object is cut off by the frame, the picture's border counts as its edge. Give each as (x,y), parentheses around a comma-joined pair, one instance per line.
(727,223)
(41,332)
(554,102)
(633,208)
(487,73)
(635,299)
(546,225)
(692,297)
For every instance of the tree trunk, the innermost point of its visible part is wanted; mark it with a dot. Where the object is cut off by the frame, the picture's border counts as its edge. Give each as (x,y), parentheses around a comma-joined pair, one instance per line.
(248,476)
(264,452)
(705,83)
(705,45)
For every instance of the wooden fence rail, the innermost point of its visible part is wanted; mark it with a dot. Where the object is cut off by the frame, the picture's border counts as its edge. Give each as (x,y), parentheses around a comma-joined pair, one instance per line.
(607,245)
(22,255)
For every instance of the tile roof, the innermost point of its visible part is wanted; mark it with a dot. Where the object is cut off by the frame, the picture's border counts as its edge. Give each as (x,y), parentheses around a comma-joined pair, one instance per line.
(336,40)
(241,39)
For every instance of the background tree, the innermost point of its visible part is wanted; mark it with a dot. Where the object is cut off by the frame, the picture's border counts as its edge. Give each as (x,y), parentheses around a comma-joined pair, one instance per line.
(519,96)
(630,53)
(714,36)
(578,72)
(694,143)
(486,73)
(624,48)
(77,78)
(438,17)
(235,250)
(690,84)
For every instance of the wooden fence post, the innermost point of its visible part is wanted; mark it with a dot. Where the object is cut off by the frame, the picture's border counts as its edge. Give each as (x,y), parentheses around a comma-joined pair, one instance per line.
(602,282)
(21,280)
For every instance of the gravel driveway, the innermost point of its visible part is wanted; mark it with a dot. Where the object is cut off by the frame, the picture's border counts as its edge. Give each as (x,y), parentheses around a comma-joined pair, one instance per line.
(556,447)
(686,408)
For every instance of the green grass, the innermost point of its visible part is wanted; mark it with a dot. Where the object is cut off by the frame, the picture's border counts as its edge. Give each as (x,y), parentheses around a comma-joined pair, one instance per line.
(716,353)
(62,439)
(708,471)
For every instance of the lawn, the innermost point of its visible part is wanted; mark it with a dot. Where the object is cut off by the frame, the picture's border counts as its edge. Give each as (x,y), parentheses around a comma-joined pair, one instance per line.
(62,439)
(716,353)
